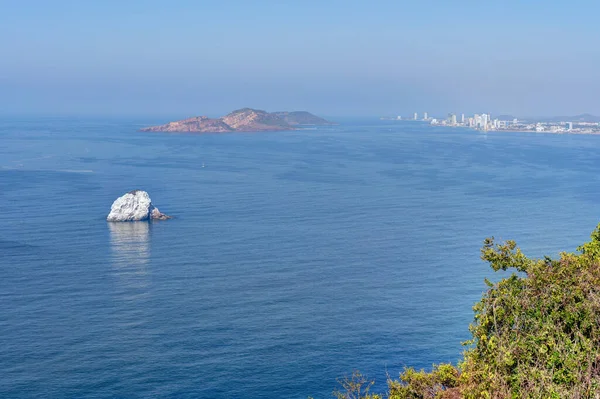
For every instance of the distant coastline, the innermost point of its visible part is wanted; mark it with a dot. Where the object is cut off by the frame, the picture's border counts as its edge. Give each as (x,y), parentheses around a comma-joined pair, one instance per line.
(579,124)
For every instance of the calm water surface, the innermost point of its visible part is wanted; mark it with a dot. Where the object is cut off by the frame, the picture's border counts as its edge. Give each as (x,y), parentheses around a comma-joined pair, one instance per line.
(293,258)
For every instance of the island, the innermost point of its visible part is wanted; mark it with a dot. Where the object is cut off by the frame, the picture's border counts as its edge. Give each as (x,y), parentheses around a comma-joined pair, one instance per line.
(242,120)
(134,206)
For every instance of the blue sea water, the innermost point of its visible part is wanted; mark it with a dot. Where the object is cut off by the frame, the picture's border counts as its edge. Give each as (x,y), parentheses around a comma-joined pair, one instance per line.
(293,258)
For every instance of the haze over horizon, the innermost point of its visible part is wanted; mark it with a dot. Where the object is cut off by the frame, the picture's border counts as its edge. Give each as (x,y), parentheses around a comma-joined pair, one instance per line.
(336,58)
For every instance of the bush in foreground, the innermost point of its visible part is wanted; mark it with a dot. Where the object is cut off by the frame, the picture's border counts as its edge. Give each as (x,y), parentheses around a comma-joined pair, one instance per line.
(536,334)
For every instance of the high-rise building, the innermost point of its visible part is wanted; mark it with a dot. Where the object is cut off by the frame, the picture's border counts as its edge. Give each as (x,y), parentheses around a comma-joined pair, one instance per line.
(484,121)
(462,118)
(425,116)
(451,120)
(569,126)
(416,116)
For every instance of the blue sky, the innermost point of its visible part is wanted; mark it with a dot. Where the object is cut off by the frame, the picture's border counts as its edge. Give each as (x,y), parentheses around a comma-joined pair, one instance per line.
(333,58)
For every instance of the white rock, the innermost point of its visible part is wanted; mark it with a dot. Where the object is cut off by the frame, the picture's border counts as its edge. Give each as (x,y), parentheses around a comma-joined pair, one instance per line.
(134,206)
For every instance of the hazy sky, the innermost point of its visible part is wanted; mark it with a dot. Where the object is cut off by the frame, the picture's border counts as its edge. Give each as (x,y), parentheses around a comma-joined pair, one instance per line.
(334,58)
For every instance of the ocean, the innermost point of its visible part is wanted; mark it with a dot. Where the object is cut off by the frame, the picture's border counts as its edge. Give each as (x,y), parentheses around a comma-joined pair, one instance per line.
(293,258)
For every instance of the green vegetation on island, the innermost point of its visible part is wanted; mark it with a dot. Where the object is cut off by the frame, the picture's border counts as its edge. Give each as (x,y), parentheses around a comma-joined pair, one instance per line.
(536,334)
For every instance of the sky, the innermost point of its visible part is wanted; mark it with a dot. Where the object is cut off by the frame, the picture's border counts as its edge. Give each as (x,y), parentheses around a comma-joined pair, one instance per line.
(330,57)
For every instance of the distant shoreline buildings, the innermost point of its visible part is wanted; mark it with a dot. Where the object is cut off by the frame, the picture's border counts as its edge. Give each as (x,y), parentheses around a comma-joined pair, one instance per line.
(485,122)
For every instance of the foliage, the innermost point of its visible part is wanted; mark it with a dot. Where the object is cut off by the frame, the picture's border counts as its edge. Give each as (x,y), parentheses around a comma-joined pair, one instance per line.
(422,385)
(357,386)
(412,384)
(536,334)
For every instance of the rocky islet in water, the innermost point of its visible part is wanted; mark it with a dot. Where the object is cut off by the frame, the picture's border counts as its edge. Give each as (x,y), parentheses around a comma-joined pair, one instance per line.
(134,206)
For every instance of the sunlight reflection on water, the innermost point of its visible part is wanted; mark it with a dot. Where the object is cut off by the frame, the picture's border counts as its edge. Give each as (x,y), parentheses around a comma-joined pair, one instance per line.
(130,244)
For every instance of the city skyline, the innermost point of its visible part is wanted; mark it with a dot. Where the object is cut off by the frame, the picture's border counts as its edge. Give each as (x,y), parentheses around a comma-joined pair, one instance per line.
(579,124)
(424,115)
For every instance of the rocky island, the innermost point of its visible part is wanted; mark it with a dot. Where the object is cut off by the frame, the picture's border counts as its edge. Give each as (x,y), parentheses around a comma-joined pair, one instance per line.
(134,206)
(242,120)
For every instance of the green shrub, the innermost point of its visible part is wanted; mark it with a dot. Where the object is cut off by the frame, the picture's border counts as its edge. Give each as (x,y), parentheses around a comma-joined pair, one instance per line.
(356,386)
(537,334)
(422,385)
